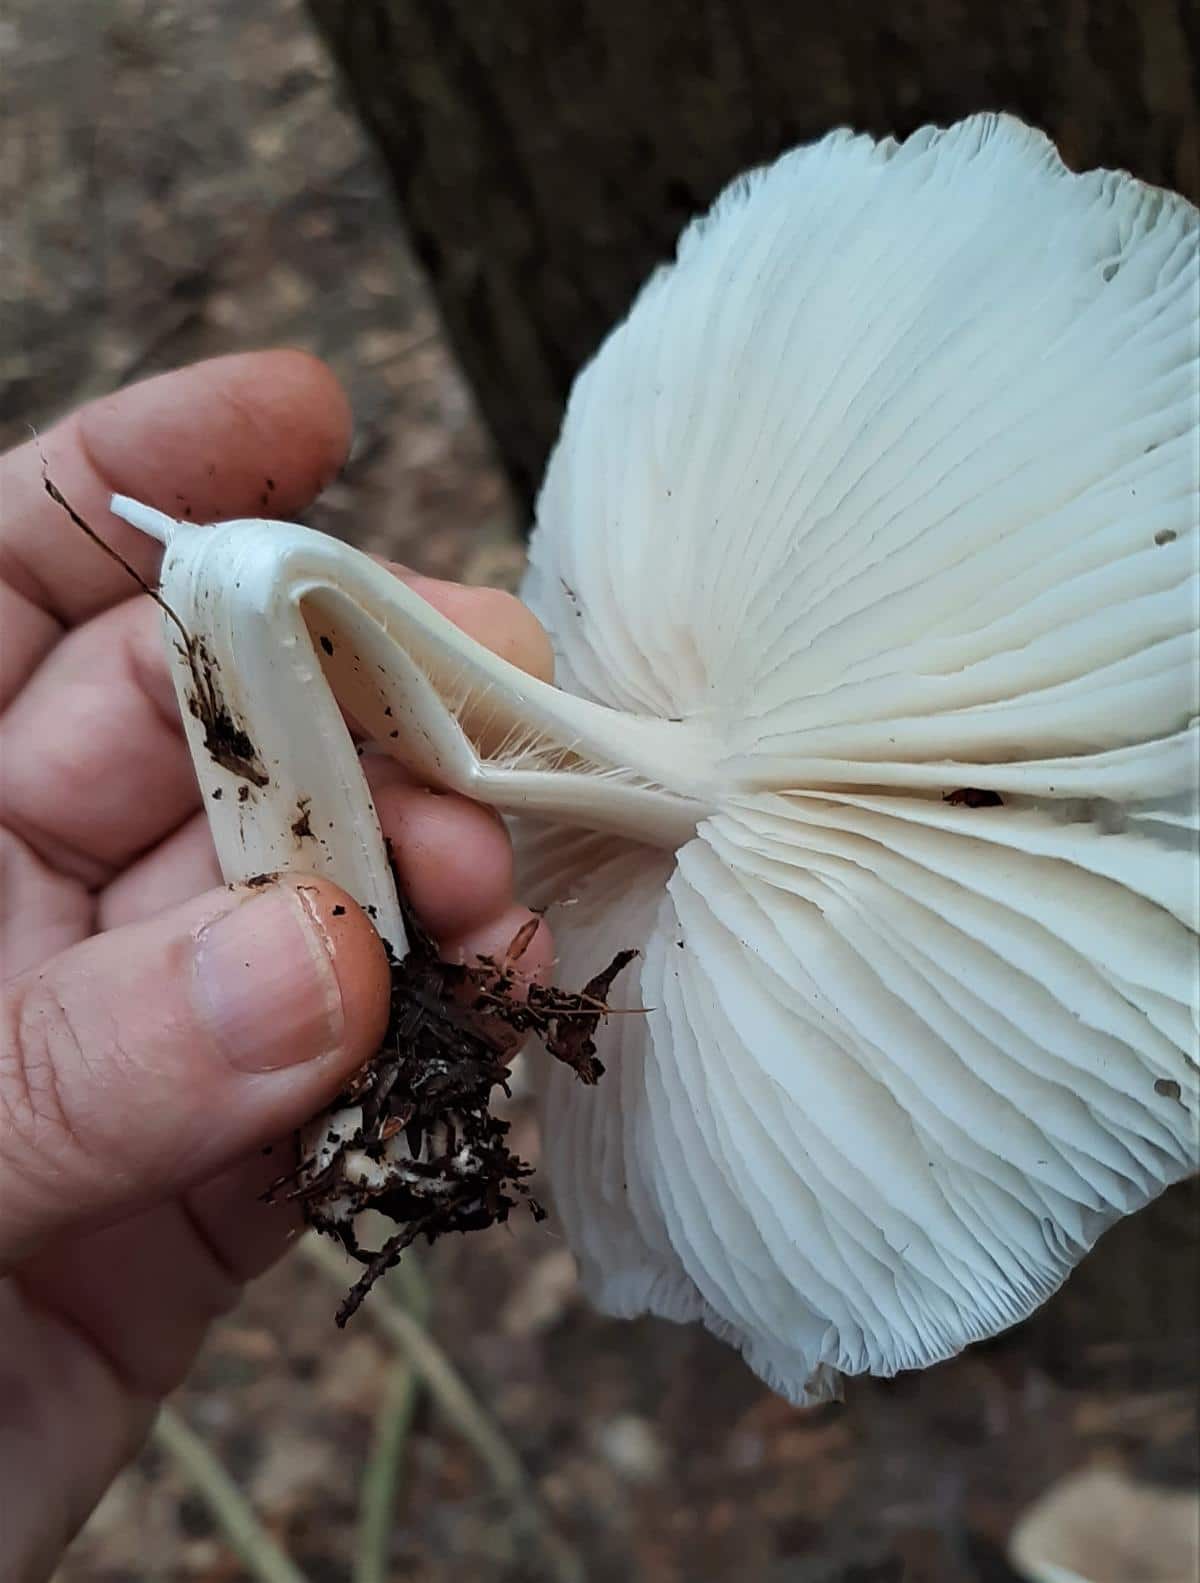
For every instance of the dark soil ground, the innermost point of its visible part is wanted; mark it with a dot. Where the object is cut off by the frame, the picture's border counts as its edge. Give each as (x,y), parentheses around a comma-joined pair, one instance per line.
(179,181)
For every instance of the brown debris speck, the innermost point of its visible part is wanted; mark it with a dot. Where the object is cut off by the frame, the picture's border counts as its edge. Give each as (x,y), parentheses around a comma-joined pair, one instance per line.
(302,824)
(973,797)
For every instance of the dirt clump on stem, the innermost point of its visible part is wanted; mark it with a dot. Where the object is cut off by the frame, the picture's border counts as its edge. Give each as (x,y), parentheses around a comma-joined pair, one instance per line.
(413,1135)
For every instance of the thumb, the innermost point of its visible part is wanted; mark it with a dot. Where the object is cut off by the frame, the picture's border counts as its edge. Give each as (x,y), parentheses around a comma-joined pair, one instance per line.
(147,1059)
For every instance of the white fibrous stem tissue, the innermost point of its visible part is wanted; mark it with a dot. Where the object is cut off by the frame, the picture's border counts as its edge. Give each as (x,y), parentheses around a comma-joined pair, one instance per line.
(869,552)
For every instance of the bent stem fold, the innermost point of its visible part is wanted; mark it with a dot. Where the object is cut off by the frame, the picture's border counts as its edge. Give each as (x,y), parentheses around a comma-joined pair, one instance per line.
(291,633)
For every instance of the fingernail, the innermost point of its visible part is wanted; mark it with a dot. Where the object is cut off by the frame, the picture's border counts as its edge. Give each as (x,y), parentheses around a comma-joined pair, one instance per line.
(265,983)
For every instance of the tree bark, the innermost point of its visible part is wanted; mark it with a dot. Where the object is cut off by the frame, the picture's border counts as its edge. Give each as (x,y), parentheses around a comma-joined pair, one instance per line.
(546,153)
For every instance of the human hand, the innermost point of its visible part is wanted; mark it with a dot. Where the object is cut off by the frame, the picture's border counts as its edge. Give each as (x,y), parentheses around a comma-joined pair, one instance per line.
(160,1030)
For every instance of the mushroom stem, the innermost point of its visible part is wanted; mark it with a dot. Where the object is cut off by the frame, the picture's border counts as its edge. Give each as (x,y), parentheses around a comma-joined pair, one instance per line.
(287,626)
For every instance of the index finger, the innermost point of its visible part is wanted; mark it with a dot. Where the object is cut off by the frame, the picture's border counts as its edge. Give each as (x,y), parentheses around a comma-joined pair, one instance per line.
(254,434)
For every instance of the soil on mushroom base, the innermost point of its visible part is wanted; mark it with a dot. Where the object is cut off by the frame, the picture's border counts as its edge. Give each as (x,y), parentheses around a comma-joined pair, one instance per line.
(438,1158)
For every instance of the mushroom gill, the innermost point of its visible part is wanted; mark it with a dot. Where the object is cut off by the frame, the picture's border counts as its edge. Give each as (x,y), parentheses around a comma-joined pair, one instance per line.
(889,486)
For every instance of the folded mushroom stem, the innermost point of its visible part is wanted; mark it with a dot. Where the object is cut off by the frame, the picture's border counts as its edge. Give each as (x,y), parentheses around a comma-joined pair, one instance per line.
(284,632)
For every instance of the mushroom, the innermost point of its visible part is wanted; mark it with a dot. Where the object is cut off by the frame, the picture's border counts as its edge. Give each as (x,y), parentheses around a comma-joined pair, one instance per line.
(869,553)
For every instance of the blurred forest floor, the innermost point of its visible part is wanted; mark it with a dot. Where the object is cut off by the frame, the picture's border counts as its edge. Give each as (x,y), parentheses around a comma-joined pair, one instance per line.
(180,181)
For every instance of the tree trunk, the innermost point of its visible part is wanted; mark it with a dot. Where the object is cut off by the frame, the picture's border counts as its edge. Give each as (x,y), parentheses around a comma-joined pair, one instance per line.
(546,153)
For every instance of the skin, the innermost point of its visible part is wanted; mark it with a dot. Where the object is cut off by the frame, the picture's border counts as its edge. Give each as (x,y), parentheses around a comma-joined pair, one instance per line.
(131,1135)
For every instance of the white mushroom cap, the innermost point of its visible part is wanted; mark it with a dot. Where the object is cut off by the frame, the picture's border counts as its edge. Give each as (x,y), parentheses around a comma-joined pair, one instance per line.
(890,483)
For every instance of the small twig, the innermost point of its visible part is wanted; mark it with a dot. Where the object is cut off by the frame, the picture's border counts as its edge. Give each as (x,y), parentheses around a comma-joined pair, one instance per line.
(234,1516)
(465,1415)
(387,1258)
(225,740)
(60,499)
